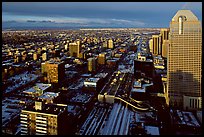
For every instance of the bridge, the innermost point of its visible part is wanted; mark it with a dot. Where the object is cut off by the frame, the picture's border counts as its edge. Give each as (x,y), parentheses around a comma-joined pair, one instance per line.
(134,106)
(139,105)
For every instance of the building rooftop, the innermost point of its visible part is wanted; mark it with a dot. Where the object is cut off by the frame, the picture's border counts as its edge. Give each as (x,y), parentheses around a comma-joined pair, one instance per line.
(152,130)
(186,118)
(74,109)
(11,107)
(54,109)
(101,75)
(86,75)
(141,90)
(38,86)
(54,61)
(43,86)
(199,115)
(68,65)
(94,80)
(49,95)
(137,84)
(20,80)
(81,98)
(188,13)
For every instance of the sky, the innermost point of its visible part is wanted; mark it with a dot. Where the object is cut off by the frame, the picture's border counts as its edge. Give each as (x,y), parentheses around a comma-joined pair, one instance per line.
(93,14)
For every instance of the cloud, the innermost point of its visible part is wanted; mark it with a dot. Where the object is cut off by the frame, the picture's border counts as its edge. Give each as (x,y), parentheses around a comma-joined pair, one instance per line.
(99,21)
(74,22)
(37,21)
(130,22)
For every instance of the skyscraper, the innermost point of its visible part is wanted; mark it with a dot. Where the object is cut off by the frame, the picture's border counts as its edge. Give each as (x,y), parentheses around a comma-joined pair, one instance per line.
(164,41)
(155,44)
(185,60)
(151,45)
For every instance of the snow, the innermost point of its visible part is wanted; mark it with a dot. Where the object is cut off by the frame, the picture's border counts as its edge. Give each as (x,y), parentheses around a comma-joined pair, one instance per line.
(152,130)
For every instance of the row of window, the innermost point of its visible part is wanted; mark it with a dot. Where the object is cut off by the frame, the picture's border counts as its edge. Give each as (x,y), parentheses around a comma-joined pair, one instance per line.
(194,103)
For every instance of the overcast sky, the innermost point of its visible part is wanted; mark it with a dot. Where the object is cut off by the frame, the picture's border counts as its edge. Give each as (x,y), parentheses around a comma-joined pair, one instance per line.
(93,14)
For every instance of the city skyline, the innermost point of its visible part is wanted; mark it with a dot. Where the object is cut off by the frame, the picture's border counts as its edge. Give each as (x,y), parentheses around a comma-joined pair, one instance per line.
(92,14)
(101,68)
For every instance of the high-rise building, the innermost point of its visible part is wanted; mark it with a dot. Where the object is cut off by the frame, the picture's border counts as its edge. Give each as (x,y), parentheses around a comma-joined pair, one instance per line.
(91,64)
(155,44)
(55,70)
(164,32)
(110,44)
(151,45)
(102,58)
(75,49)
(43,119)
(185,60)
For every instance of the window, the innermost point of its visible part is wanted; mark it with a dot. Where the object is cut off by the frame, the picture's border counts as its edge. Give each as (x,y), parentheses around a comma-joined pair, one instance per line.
(195,103)
(192,103)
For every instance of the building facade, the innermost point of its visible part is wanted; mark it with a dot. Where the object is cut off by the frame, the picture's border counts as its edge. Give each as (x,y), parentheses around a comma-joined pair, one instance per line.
(75,49)
(54,69)
(102,59)
(91,64)
(164,32)
(151,45)
(155,44)
(42,120)
(185,60)
(110,44)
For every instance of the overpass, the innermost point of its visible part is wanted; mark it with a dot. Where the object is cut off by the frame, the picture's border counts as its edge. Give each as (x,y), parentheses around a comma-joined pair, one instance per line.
(139,105)
(134,106)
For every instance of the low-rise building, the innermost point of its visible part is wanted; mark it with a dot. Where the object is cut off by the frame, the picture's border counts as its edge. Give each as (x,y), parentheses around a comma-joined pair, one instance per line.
(48,97)
(37,90)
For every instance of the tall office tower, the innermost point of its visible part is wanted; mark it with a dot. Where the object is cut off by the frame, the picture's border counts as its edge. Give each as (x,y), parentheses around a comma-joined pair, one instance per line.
(55,70)
(164,41)
(160,45)
(75,49)
(185,60)
(110,44)
(102,59)
(91,64)
(155,44)
(43,119)
(151,45)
